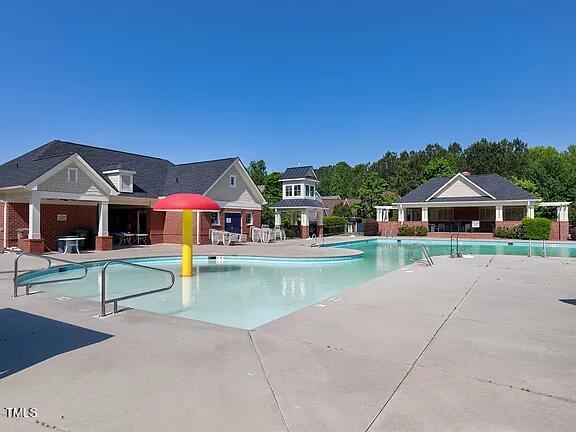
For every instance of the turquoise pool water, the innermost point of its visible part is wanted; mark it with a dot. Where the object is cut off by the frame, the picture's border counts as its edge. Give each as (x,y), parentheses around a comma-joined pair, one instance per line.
(248,292)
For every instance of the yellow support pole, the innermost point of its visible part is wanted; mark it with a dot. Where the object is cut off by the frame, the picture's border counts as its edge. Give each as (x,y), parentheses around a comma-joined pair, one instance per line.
(187,241)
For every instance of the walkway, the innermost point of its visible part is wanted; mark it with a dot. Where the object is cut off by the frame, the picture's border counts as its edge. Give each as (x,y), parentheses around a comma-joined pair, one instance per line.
(483,344)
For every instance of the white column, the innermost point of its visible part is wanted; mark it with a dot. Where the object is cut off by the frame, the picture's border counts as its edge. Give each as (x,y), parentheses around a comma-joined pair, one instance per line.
(293,218)
(320,217)
(499,213)
(378,215)
(424,214)
(562,213)
(386,215)
(34,216)
(400,214)
(304,218)
(530,210)
(103,219)
(277,219)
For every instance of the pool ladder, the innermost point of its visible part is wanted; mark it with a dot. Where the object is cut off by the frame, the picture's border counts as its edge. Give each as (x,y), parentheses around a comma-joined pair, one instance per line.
(103,300)
(544,251)
(316,240)
(425,253)
(455,246)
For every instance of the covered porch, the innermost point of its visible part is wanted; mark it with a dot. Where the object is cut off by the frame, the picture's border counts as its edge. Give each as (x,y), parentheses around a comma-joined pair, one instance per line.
(304,221)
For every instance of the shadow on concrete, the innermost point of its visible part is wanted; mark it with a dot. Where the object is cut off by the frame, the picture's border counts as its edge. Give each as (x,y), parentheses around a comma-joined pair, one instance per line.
(569,301)
(27,339)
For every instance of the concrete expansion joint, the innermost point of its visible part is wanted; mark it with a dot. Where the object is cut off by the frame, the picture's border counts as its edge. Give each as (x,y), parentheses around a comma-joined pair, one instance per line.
(428,344)
(268,381)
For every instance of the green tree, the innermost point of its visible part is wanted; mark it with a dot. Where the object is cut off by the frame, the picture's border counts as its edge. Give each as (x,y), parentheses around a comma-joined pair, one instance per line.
(343,210)
(257,171)
(371,194)
(439,167)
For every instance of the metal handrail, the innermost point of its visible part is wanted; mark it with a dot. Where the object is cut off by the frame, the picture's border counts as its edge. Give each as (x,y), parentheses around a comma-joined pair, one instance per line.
(544,251)
(458,254)
(425,253)
(104,301)
(49,260)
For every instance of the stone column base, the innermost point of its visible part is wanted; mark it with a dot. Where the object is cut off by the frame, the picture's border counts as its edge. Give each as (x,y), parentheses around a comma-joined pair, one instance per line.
(33,246)
(104,243)
(304,231)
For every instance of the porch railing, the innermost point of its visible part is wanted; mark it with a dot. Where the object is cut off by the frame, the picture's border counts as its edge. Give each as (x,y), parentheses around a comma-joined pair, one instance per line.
(461,226)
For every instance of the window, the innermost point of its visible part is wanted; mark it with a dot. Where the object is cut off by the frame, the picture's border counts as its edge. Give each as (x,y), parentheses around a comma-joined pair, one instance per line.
(297,190)
(248,218)
(72,175)
(309,190)
(413,214)
(440,214)
(215,218)
(288,191)
(514,213)
(233,181)
(126,183)
(312,191)
(487,213)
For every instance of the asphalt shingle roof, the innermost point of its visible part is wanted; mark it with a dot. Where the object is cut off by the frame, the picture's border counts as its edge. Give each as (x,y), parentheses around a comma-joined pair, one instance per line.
(298,202)
(299,172)
(154,176)
(496,185)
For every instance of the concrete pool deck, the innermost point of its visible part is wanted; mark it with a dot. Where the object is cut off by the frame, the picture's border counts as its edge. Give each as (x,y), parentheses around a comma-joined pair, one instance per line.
(482,344)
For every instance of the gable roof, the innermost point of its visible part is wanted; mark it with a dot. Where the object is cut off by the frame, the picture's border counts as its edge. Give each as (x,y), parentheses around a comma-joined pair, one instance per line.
(154,176)
(497,186)
(299,172)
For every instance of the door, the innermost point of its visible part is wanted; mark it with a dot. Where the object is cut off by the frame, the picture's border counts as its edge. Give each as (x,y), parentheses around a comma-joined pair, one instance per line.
(142,222)
(233,222)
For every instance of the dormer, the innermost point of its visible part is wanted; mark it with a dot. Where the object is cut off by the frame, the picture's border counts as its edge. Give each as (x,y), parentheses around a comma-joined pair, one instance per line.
(299,183)
(123,180)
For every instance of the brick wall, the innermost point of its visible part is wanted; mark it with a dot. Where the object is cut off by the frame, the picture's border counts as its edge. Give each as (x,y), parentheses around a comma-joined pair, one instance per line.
(559,230)
(77,217)
(17,218)
(507,224)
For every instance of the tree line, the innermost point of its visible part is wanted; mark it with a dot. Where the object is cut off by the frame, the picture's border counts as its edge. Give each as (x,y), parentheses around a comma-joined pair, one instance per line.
(546,172)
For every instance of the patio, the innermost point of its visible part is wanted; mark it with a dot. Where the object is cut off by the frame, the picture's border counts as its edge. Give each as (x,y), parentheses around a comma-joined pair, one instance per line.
(473,344)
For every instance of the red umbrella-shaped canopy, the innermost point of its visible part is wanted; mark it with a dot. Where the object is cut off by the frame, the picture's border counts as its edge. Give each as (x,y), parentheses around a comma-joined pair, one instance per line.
(184,201)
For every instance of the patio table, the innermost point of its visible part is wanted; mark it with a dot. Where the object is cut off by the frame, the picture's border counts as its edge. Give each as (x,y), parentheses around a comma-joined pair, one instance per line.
(71,243)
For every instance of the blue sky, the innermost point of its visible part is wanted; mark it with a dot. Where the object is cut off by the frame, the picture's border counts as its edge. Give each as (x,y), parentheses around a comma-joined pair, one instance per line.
(310,82)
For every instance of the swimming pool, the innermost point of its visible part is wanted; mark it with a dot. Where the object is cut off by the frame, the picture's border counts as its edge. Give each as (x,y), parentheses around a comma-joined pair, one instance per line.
(246,292)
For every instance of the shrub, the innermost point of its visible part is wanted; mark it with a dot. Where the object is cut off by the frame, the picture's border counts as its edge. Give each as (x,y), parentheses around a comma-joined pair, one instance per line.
(509,233)
(334,225)
(370,227)
(412,231)
(536,229)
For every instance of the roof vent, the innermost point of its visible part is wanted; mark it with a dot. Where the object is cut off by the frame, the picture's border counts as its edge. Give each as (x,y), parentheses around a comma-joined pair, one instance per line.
(466,173)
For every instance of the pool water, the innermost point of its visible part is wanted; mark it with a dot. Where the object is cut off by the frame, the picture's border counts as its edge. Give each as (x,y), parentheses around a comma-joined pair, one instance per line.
(246,293)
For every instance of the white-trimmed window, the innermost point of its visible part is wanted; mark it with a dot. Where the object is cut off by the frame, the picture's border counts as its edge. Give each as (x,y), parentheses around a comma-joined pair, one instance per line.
(309,190)
(215,218)
(126,183)
(233,181)
(288,190)
(514,213)
(249,220)
(297,190)
(72,175)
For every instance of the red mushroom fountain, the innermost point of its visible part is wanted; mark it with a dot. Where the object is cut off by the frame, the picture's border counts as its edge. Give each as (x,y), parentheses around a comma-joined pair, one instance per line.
(187,204)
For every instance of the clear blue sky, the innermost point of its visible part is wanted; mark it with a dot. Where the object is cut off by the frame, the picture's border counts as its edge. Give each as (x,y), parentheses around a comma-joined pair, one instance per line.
(310,82)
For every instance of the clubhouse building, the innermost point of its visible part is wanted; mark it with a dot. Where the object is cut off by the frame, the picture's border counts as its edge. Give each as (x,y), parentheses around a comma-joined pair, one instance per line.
(61,188)
(472,205)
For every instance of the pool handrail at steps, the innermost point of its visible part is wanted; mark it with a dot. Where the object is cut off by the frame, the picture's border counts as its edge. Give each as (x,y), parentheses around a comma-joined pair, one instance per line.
(104,301)
(455,236)
(425,253)
(49,260)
